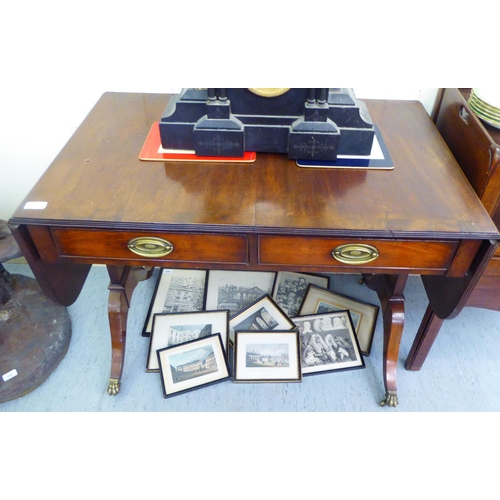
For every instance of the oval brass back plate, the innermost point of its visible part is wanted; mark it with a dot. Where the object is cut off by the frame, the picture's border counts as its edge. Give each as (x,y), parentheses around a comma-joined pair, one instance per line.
(355,253)
(150,246)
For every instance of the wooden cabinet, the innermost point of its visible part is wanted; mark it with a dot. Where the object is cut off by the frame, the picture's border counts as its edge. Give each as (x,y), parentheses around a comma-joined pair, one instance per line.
(476,147)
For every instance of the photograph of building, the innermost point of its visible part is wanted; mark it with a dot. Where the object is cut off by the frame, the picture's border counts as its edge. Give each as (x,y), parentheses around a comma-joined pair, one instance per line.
(191,364)
(236,298)
(185,294)
(185,333)
(268,355)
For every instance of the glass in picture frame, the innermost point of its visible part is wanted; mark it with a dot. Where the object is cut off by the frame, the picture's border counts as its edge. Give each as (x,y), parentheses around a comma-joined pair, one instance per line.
(328,343)
(192,365)
(177,328)
(267,356)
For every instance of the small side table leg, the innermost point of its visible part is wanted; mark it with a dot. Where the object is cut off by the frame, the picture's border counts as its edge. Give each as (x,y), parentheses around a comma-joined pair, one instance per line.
(118,307)
(390,291)
(393,331)
(123,282)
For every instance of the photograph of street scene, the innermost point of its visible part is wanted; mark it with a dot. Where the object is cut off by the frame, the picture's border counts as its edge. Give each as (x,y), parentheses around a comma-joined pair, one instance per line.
(191,364)
(177,290)
(186,292)
(236,290)
(267,355)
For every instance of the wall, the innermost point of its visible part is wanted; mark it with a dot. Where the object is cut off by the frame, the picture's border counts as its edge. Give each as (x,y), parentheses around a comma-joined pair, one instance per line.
(59,57)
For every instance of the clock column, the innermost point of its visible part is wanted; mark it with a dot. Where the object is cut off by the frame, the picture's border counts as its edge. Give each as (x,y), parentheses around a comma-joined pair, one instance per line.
(315,136)
(219,132)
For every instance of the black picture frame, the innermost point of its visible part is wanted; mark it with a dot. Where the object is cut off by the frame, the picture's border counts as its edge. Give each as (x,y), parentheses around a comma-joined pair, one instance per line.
(328,343)
(267,356)
(192,365)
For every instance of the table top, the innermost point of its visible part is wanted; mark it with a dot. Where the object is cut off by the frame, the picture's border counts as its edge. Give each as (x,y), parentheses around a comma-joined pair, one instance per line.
(98,181)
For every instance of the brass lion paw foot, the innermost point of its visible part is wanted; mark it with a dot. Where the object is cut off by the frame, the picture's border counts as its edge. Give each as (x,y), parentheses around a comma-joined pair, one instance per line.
(391,400)
(113,387)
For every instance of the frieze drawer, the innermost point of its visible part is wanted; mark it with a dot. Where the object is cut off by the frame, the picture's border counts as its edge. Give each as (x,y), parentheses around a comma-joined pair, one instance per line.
(348,253)
(148,246)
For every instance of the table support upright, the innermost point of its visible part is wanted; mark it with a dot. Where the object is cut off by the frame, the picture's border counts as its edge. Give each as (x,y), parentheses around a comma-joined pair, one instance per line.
(121,287)
(390,291)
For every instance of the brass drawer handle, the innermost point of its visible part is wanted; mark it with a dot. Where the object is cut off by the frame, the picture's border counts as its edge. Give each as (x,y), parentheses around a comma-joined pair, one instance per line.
(355,253)
(150,246)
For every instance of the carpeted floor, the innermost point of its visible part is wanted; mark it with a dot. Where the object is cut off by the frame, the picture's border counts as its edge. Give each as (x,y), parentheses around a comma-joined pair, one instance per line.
(460,375)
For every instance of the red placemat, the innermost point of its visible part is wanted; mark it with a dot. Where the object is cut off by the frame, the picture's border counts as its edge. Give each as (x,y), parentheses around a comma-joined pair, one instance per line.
(152,151)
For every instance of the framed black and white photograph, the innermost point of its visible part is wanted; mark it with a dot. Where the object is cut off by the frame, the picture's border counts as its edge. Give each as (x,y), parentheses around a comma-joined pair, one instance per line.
(364,315)
(263,314)
(236,290)
(192,365)
(328,343)
(176,290)
(290,289)
(171,329)
(272,356)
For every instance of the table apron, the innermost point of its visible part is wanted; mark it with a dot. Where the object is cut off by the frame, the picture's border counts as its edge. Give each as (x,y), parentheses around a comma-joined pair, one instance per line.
(253,251)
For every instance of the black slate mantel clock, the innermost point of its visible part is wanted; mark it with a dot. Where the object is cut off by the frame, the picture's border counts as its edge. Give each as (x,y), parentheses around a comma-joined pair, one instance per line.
(306,124)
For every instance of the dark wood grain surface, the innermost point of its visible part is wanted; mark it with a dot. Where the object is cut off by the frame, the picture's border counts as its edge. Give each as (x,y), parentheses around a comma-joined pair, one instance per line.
(97,179)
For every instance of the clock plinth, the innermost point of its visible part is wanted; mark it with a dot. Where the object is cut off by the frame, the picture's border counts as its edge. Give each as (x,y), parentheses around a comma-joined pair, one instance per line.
(313,140)
(219,133)
(303,123)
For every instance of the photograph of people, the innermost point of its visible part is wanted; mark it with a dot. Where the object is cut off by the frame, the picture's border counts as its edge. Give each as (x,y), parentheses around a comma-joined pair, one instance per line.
(328,342)
(291,288)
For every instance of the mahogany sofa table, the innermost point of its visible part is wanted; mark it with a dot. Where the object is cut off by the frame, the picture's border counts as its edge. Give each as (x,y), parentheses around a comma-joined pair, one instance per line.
(422,217)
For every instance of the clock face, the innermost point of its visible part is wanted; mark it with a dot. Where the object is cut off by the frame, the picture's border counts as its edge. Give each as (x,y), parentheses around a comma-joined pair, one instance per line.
(269,92)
